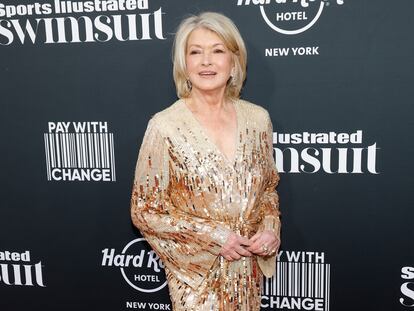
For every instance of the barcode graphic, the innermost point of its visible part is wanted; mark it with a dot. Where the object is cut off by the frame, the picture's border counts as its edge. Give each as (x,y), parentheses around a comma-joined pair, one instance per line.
(79,150)
(299,279)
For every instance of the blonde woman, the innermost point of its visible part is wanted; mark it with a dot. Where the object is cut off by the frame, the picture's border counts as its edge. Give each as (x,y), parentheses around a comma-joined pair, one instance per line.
(204,190)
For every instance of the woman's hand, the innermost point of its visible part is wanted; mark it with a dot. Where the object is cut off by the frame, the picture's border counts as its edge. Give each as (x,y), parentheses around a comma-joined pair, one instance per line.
(264,243)
(235,247)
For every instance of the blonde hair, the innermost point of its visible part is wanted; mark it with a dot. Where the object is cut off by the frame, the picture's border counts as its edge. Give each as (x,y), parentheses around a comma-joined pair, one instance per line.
(228,32)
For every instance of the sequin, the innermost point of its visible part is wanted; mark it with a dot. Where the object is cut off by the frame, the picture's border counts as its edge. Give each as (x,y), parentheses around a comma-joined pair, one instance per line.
(187,197)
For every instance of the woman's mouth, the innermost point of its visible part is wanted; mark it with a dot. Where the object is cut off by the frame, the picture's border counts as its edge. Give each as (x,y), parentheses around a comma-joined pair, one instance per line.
(207,73)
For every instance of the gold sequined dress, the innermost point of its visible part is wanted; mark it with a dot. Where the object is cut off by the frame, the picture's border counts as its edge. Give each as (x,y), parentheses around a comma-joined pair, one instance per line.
(187,196)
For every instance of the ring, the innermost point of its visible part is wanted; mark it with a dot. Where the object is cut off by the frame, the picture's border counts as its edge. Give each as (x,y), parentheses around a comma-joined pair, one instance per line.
(264,248)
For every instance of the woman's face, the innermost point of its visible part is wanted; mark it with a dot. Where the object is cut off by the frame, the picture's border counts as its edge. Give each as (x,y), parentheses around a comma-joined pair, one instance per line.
(208,60)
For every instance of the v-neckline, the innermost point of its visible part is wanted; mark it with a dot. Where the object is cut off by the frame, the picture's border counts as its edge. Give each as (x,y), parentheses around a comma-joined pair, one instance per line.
(204,132)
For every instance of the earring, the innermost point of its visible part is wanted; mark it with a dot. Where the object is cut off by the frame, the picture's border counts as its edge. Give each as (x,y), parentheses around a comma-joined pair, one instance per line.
(189,84)
(232,79)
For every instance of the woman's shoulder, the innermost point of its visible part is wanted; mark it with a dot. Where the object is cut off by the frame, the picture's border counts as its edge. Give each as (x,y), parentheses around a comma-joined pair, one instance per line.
(162,120)
(255,111)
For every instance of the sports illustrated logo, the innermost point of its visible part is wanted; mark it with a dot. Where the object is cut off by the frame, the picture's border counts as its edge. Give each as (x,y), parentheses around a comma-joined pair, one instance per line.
(17,269)
(301,282)
(140,267)
(407,288)
(62,21)
(79,151)
(289,17)
(331,153)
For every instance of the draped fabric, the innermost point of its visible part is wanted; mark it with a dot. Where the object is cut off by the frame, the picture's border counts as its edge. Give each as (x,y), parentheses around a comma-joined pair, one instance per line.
(187,196)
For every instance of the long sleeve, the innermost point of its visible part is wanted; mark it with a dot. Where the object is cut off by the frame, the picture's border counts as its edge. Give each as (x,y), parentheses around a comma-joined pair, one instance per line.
(187,245)
(270,202)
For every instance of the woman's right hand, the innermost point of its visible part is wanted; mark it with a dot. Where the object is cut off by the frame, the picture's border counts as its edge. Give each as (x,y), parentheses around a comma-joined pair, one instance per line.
(235,247)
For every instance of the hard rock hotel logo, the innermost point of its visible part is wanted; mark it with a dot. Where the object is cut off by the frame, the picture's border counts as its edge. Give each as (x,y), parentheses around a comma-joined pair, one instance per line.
(79,151)
(301,282)
(140,266)
(290,17)
(141,269)
(18,269)
(330,153)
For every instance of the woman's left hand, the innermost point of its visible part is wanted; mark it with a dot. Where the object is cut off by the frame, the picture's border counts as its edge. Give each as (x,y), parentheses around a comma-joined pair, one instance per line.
(265,243)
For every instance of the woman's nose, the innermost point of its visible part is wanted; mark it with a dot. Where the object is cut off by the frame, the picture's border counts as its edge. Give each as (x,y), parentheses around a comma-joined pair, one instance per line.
(206,59)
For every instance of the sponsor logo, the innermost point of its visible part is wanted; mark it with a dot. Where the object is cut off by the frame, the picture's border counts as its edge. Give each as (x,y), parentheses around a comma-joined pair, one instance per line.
(57,22)
(17,269)
(79,151)
(301,282)
(407,288)
(140,267)
(331,153)
(289,17)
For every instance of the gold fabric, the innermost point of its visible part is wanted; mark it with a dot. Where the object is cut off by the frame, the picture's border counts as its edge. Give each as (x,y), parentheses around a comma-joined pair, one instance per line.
(187,197)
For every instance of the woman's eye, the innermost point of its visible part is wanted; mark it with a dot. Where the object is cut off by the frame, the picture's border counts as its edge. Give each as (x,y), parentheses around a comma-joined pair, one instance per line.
(194,52)
(218,51)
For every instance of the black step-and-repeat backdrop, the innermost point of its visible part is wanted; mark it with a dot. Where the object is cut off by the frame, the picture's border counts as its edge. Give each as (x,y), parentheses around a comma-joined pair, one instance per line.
(79,82)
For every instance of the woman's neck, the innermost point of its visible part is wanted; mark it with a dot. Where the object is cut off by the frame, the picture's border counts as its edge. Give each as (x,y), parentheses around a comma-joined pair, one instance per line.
(205,102)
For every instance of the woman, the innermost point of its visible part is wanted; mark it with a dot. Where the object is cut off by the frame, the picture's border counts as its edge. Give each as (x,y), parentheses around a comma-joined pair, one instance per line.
(204,191)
